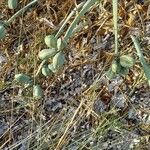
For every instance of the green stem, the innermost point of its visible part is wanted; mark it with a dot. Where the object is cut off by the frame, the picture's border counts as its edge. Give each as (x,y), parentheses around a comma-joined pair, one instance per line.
(21,11)
(40,67)
(67,19)
(85,8)
(138,49)
(144,64)
(115,20)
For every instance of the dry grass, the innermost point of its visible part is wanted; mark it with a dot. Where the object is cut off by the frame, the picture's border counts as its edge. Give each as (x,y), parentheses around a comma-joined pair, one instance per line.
(41,130)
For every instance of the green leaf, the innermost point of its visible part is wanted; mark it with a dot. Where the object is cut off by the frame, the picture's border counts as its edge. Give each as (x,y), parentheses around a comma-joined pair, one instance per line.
(124,71)
(110,74)
(51,67)
(58,60)
(51,41)
(126,61)
(12,4)
(47,53)
(115,22)
(145,65)
(22,78)
(37,92)
(2,32)
(46,71)
(84,9)
(115,67)
(60,44)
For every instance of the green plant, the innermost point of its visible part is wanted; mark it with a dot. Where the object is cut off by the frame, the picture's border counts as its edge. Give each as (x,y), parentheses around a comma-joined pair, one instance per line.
(120,64)
(58,60)
(12,4)
(57,44)
(5,24)
(47,53)
(144,64)
(23,79)
(51,41)
(2,31)
(46,71)
(37,91)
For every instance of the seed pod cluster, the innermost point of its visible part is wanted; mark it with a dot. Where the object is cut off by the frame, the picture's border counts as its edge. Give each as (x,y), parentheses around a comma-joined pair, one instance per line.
(57,57)
(54,52)
(57,62)
(120,66)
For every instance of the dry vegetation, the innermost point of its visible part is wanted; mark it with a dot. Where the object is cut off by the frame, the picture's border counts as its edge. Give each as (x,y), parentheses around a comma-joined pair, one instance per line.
(81,108)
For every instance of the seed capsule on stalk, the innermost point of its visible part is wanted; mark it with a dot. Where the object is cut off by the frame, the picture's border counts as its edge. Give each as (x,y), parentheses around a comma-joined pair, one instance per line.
(37,92)
(115,67)
(126,61)
(47,53)
(2,32)
(58,60)
(60,44)
(22,78)
(51,41)
(46,71)
(51,67)
(12,4)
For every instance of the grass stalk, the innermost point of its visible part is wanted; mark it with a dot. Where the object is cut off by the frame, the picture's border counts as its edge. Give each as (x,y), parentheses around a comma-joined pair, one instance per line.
(21,11)
(67,19)
(144,64)
(115,20)
(84,9)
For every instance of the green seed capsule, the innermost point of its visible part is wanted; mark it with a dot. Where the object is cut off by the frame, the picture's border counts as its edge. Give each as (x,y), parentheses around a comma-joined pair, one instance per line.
(51,67)
(126,61)
(110,74)
(46,71)
(124,71)
(51,41)
(22,78)
(60,44)
(47,53)
(2,32)
(37,92)
(58,60)
(115,67)
(12,4)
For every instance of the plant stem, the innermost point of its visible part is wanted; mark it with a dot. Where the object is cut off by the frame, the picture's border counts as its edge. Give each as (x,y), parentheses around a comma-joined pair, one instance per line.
(67,19)
(21,11)
(84,9)
(39,69)
(138,49)
(115,20)
(144,64)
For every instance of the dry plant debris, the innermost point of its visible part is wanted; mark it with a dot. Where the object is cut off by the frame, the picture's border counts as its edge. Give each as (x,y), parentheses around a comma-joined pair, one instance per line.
(80,108)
